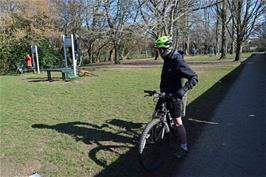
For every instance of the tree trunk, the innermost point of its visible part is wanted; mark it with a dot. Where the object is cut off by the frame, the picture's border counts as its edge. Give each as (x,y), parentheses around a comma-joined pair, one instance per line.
(233,36)
(232,46)
(90,53)
(238,30)
(188,40)
(238,48)
(117,53)
(156,55)
(110,55)
(223,48)
(217,33)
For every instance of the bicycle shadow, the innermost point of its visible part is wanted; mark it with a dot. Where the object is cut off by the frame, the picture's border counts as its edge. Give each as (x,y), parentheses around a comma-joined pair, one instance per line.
(86,132)
(111,137)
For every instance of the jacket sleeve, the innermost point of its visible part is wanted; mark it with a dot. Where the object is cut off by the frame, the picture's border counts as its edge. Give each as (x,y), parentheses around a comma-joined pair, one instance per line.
(187,73)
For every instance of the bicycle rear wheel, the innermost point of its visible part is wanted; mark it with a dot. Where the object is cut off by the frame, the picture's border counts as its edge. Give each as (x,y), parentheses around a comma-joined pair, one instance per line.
(153,144)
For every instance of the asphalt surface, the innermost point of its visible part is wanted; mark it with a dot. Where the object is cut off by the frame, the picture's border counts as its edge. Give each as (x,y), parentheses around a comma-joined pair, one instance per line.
(233,144)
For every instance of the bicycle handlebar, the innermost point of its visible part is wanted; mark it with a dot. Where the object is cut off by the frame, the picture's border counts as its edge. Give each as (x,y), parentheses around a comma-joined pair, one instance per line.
(156,94)
(150,92)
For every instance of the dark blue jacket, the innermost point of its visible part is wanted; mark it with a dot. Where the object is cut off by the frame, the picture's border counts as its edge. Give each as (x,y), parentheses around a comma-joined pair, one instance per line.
(174,70)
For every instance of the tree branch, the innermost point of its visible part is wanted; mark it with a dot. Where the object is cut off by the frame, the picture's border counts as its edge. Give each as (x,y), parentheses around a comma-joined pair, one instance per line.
(207,6)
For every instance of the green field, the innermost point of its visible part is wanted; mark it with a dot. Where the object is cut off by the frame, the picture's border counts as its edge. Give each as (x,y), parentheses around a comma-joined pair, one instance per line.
(88,126)
(213,58)
(216,57)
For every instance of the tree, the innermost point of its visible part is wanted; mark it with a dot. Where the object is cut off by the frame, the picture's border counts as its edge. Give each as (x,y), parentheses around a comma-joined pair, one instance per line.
(167,17)
(95,33)
(70,15)
(223,17)
(247,18)
(22,28)
(117,14)
(161,17)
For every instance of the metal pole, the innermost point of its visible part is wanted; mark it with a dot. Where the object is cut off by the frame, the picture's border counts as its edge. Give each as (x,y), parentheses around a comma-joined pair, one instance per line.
(37,60)
(65,54)
(33,61)
(73,56)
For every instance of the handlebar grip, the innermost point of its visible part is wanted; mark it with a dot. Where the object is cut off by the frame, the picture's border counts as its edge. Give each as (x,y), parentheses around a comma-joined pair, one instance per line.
(151,92)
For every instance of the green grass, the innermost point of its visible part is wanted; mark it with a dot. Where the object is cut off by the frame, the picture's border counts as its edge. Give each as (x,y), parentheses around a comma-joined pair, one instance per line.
(215,57)
(191,59)
(203,57)
(84,127)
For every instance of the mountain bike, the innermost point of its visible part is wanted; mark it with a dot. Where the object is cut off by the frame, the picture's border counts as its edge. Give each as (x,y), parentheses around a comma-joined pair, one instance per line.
(155,138)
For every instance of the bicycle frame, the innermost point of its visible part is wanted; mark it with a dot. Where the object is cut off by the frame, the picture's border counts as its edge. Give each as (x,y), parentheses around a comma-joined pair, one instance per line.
(156,134)
(166,118)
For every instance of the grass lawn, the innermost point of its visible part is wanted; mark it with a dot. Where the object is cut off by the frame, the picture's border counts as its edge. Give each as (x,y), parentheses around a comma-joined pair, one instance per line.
(190,59)
(216,57)
(87,127)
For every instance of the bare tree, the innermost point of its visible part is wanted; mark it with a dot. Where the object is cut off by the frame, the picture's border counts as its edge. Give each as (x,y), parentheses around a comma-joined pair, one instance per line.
(247,16)
(117,13)
(70,14)
(94,33)
(160,17)
(167,17)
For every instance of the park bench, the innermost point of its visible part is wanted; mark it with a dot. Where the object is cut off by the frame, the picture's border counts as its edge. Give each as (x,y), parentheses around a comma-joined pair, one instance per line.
(67,73)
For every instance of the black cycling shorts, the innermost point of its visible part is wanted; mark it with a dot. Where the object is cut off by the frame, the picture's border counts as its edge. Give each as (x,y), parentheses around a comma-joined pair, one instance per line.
(174,105)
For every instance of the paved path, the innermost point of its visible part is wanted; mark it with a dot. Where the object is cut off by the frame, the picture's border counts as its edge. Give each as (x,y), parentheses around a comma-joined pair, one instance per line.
(236,146)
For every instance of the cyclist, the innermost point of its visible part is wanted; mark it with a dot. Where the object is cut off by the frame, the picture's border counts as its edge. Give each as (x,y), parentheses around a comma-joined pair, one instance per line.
(173,71)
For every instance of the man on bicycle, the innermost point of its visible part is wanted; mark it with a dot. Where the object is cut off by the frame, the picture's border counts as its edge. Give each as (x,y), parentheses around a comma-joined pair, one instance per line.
(174,70)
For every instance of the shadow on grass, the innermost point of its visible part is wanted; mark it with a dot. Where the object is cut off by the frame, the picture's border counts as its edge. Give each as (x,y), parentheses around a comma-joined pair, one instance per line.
(127,164)
(44,79)
(54,79)
(89,133)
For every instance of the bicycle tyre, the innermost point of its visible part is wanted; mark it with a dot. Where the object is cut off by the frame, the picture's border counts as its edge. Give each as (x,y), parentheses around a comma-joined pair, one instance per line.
(164,144)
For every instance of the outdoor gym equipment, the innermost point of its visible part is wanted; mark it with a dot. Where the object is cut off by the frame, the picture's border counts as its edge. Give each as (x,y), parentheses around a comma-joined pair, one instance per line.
(71,46)
(71,42)
(35,59)
(31,63)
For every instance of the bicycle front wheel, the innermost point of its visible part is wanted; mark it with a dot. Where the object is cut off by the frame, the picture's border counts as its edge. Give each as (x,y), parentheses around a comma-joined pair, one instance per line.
(153,144)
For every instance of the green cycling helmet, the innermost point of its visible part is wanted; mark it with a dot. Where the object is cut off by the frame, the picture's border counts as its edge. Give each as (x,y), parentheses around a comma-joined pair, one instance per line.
(163,42)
